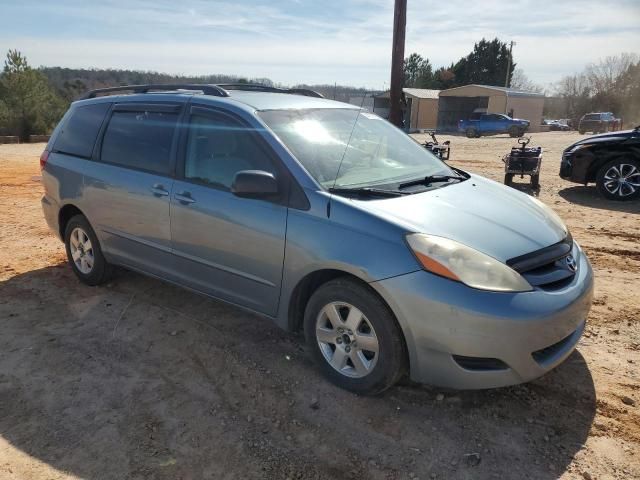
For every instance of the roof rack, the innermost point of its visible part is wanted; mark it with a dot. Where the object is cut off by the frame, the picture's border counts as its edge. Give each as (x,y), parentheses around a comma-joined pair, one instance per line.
(217,90)
(258,87)
(204,88)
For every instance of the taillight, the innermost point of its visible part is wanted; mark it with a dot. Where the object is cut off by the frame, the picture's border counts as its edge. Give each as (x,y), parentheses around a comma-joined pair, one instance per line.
(43,159)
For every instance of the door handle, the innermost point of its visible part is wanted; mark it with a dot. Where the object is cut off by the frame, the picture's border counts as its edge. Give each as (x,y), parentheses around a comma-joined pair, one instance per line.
(159,191)
(184,197)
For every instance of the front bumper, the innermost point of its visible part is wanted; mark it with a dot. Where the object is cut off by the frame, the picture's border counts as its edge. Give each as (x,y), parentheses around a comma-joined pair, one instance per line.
(525,334)
(573,168)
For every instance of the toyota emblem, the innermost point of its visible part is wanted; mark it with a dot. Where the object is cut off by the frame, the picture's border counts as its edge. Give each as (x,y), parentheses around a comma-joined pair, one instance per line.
(571,263)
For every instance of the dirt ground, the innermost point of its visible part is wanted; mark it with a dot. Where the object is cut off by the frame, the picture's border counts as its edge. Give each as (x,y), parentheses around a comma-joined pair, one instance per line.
(140,379)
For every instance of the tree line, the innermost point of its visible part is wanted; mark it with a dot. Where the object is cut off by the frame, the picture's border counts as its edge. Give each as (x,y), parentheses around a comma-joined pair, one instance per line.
(32,100)
(610,85)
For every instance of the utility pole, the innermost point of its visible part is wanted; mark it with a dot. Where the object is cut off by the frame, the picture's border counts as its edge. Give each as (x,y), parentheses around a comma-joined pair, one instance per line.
(506,80)
(397,61)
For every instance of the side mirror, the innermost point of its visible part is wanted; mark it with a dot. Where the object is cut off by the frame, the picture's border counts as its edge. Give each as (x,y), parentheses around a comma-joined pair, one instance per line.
(254,184)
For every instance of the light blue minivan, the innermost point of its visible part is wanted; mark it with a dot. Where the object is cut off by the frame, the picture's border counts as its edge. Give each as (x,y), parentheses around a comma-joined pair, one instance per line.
(325,218)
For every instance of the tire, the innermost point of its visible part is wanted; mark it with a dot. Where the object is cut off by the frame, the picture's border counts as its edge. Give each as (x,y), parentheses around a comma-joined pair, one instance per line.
(508,178)
(471,133)
(581,132)
(535,181)
(84,253)
(608,185)
(328,316)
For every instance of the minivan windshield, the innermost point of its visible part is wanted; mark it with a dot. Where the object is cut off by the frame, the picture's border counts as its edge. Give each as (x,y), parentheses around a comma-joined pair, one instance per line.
(350,148)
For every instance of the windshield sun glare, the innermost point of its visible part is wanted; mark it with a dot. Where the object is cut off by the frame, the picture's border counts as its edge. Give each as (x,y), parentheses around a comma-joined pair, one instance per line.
(345,147)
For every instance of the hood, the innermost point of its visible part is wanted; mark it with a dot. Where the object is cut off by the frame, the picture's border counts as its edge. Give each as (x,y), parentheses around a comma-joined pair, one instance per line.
(480,213)
(618,136)
(521,120)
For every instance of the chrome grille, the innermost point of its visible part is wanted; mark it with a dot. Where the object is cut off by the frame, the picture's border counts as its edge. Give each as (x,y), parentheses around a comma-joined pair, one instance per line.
(549,268)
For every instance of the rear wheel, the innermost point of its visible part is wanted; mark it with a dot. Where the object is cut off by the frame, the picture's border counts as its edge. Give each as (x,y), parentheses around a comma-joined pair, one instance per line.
(84,252)
(619,179)
(535,181)
(354,337)
(471,133)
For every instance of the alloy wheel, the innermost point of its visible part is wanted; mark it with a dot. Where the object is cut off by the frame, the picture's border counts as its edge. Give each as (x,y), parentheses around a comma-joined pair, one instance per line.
(347,339)
(622,179)
(81,250)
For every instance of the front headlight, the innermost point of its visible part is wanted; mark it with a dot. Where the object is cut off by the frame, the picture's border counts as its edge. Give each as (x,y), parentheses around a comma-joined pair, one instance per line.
(575,148)
(456,261)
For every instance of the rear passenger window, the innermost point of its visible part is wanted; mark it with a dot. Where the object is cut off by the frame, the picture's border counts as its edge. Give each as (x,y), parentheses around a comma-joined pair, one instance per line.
(140,140)
(218,148)
(79,133)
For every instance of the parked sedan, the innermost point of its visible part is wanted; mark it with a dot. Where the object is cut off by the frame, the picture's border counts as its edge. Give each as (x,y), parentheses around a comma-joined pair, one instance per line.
(556,125)
(611,160)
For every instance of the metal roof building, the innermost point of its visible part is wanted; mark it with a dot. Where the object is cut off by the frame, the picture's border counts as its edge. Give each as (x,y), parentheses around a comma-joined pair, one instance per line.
(460,102)
(421,110)
(442,109)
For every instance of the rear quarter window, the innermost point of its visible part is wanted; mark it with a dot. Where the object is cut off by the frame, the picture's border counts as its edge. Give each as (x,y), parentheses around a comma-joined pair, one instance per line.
(140,139)
(79,132)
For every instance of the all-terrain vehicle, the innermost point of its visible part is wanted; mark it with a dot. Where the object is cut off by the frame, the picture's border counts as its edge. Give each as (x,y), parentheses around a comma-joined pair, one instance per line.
(523,161)
(440,150)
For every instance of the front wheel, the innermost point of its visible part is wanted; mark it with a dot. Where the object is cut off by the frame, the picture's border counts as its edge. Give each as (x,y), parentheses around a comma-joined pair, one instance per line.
(471,133)
(619,179)
(508,179)
(354,337)
(84,252)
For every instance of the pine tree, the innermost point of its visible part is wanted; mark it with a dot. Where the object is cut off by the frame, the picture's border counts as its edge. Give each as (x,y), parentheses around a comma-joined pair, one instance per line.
(418,72)
(485,65)
(29,104)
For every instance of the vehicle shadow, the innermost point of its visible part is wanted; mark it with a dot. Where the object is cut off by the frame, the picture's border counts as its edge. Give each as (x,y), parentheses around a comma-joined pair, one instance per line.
(525,187)
(140,379)
(588,196)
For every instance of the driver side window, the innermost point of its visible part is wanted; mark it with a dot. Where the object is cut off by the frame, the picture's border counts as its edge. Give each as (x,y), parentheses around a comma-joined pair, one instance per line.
(218,148)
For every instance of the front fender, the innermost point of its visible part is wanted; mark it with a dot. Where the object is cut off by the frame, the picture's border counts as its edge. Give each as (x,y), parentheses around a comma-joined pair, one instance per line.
(348,239)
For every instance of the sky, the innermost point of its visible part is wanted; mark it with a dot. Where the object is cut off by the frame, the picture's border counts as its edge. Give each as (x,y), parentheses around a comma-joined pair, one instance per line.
(300,41)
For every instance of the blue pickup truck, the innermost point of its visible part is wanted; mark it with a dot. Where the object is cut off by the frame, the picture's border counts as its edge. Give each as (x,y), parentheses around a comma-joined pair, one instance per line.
(493,124)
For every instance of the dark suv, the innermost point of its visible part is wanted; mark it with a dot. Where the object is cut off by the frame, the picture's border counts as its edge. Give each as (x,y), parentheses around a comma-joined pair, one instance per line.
(611,160)
(598,123)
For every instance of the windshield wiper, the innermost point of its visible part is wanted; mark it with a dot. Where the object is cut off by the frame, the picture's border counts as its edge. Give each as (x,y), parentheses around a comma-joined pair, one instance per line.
(429,179)
(368,191)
